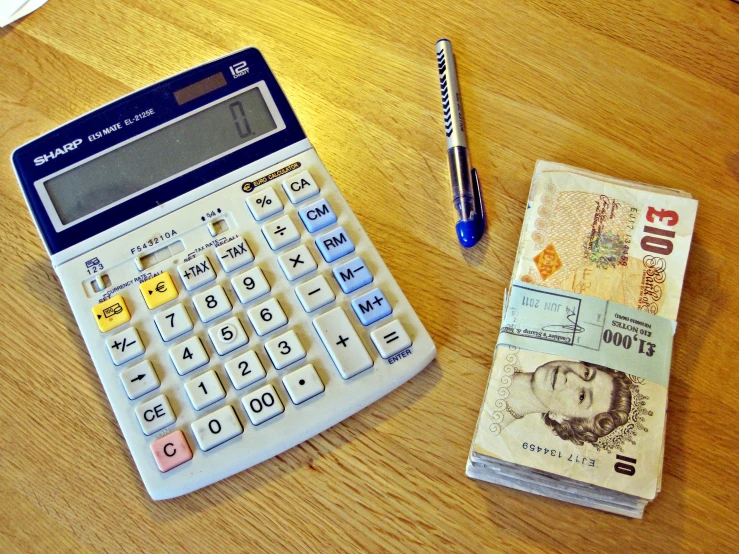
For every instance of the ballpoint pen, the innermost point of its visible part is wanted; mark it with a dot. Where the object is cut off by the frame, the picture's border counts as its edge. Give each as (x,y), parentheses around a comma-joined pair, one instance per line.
(465,182)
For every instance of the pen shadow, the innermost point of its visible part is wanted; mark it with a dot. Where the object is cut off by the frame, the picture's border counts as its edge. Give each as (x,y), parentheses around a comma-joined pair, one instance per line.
(252,479)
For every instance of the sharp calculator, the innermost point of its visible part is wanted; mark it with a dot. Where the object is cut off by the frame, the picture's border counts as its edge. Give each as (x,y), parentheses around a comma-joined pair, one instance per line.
(231,302)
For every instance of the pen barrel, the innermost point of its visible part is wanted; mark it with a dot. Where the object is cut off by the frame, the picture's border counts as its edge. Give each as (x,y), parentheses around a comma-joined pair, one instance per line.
(450,98)
(461,178)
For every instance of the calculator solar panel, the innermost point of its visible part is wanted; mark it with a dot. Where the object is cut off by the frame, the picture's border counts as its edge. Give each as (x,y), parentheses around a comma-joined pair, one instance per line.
(230,300)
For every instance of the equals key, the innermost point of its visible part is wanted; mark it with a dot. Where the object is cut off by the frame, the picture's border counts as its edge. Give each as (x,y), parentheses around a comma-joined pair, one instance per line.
(390,339)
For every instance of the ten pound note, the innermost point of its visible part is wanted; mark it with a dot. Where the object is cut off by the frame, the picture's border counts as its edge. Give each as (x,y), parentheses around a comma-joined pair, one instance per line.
(576,401)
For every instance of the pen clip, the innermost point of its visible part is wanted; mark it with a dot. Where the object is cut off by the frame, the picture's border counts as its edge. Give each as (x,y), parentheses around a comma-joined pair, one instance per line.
(479,206)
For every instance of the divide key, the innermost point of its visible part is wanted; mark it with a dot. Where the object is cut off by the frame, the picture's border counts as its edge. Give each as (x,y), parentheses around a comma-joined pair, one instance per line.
(335,244)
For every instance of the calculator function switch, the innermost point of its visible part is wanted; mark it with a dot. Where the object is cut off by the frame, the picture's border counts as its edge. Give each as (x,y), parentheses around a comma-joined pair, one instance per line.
(158,290)
(111,313)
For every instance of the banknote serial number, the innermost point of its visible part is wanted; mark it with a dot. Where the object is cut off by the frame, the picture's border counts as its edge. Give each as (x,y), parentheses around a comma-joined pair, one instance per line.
(573,458)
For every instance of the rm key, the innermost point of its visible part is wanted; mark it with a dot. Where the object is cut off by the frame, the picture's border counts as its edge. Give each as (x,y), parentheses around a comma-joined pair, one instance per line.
(342,343)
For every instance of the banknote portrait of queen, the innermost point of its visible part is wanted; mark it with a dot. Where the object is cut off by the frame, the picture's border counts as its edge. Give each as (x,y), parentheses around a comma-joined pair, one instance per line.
(579,401)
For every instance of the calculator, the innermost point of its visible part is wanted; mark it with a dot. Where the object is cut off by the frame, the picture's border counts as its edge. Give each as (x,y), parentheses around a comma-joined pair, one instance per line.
(231,302)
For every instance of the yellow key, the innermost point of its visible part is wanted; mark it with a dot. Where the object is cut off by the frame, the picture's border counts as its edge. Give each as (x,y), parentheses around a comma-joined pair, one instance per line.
(111,313)
(158,290)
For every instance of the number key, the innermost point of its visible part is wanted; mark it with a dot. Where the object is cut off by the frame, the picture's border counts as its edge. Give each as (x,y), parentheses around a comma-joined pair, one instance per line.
(250,285)
(228,336)
(189,355)
(245,369)
(205,390)
(285,349)
(267,316)
(173,322)
(212,303)
(262,404)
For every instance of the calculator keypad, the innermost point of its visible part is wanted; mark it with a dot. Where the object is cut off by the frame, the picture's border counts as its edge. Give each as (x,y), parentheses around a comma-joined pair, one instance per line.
(280,232)
(245,369)
(303,384)
(342,342)
(234,254)
(196,272)
(335,244)
(264,203)
(212,303)
(228,335)
(139,379)
(125,346)
(173,322)
(267,316)
(300,187)
(216,428)
(188,356)
(233,365)
(205,390)
(262,404)
(111,314)
(297,262)
(285,350)
(158,290)
(155,414)
(250,285)
(315,294)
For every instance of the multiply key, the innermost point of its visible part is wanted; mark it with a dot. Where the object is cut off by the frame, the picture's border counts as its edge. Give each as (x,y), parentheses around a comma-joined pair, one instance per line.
(196,272)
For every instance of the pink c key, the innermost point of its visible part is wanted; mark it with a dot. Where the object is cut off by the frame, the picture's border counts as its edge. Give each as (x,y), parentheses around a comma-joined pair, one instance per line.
(171,451)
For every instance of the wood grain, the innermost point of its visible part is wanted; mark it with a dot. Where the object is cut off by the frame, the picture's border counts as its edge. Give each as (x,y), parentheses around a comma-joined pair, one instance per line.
(645,90)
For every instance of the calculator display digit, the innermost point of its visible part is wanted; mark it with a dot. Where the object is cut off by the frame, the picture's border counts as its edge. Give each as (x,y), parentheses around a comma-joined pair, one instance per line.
(160,155)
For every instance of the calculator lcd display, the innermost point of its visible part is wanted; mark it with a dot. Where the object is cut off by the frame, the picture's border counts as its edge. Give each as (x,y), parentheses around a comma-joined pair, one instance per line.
(159,156)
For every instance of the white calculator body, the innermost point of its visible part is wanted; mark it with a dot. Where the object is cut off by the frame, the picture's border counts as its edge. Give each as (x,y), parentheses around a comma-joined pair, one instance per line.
(231,302)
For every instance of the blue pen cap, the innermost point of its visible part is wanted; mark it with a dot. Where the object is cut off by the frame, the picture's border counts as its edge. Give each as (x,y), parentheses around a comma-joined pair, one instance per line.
(469,232)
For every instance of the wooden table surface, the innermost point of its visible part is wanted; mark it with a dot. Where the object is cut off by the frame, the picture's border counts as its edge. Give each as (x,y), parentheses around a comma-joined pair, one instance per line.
(645,90)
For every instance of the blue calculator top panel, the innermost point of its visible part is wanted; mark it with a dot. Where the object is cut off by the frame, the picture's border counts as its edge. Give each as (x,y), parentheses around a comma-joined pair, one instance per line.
(136,114)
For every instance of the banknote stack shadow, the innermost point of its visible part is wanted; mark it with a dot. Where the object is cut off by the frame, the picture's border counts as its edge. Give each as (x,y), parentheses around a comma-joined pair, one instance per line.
(576,400)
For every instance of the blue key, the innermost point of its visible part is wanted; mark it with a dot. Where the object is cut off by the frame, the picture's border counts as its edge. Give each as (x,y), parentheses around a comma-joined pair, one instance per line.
(318,215)
(371,306)
(335,244)
(352,275)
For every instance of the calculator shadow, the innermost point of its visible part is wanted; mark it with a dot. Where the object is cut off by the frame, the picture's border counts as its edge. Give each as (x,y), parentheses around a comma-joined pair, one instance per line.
(247,484)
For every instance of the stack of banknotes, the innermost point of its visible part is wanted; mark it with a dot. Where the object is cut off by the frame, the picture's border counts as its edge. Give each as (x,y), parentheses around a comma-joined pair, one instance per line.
(576,401)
